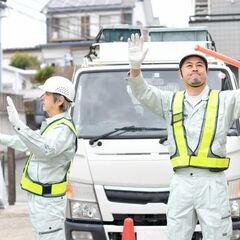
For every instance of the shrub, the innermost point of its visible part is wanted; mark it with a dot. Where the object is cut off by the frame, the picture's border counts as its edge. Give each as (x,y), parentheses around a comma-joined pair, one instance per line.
(43,74)
(24,61)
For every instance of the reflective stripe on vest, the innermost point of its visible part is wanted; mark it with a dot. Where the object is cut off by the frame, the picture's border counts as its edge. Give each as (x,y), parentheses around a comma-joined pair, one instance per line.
(202,159)
(55,189)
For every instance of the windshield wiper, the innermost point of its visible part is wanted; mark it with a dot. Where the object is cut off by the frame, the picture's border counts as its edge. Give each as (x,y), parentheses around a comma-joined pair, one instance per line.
(124,129)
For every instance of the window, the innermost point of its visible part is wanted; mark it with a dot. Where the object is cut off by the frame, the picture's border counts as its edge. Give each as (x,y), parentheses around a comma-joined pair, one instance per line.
(127,18)
(201,7)
(178,36)
(104,101)
(85,27)
(67,28)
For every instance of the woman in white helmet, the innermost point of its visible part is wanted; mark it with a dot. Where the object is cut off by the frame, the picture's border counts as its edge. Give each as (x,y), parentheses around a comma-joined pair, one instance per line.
(52,149)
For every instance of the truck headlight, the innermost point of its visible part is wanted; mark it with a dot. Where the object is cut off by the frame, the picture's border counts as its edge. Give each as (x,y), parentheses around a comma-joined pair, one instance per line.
(82,202)
(84,210)
(234,205)
(234,196)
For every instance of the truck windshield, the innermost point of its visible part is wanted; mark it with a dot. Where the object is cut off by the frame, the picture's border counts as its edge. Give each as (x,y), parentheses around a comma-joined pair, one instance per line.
(104,102)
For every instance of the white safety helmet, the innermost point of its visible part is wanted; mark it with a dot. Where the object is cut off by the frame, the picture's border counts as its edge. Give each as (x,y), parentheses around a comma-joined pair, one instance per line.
(60,85)
(194,54)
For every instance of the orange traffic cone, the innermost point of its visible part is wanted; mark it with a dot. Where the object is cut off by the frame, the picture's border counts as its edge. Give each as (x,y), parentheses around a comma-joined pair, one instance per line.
(128,230)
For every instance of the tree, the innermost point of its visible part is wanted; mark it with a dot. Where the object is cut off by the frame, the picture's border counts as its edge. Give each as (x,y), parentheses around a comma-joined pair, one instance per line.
(44,74)
(24,61)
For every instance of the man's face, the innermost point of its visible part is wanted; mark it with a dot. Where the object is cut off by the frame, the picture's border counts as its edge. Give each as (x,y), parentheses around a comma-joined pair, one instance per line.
(49,105)
(193,72)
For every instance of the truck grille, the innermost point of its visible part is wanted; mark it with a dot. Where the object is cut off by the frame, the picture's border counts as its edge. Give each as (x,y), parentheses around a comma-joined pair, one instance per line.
(142,219)
(136,197)
(118,236)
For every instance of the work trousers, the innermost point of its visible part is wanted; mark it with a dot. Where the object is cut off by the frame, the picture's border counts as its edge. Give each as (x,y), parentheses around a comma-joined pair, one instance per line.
(47,216)
(199,195)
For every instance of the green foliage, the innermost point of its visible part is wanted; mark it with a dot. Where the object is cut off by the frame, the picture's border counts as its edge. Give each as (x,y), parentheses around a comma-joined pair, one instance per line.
(43,74)
(24,61)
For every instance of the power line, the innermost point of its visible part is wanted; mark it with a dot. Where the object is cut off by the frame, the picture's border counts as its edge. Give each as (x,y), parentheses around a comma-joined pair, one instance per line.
(56,26)
(25,14)
(27,6)
(63,28)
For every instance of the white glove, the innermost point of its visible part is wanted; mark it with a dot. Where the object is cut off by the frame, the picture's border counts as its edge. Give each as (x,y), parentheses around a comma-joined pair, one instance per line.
(136,54)
(12,112)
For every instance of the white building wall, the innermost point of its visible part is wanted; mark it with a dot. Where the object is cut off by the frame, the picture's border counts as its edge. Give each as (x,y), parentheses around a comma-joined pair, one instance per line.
(55,55)
(94,24)
(79,54)
(14,80)
(138,14)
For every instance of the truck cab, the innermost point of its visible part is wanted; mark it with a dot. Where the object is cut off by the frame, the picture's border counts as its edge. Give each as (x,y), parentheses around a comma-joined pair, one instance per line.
(122,166)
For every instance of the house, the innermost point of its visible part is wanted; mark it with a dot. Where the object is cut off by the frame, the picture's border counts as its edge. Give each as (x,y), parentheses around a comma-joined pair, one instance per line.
(81,20)
(16,80)
(71,28)
(222,18)
(73,25)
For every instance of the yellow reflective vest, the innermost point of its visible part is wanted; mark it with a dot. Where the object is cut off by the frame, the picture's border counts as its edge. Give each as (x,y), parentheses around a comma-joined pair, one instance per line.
(50,190)
(203,158)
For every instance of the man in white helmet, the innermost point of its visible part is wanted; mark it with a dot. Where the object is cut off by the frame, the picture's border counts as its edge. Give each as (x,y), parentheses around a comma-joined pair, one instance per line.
(198,120)
(52,149)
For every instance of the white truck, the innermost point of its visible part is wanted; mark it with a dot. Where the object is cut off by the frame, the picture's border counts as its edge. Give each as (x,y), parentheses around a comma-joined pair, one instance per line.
(122,166)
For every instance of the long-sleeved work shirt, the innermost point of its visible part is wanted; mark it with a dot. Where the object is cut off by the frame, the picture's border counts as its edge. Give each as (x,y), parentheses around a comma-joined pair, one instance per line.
(160,102)
(51,152)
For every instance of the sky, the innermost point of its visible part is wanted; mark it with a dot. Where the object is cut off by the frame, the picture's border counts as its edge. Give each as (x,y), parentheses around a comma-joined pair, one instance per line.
(23,25)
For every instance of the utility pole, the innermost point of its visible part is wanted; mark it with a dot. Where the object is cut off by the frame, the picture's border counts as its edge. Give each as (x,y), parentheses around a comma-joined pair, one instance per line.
(11,176)
(2,7)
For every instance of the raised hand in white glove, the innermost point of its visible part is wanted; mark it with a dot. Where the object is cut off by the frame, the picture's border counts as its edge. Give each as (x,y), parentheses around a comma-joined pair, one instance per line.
(12,112)
(136,53)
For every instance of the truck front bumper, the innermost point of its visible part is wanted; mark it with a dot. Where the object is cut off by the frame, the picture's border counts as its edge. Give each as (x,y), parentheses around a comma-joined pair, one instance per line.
(94,231)
(73,229)
(236,230)
(97,231)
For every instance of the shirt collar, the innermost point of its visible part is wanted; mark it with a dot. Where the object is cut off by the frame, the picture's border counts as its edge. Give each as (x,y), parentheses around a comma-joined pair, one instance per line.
(58,116)
(203,95)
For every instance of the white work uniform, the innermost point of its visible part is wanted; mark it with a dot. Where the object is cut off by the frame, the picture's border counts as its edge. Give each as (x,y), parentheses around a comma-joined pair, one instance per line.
(49,163)
(195,194)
